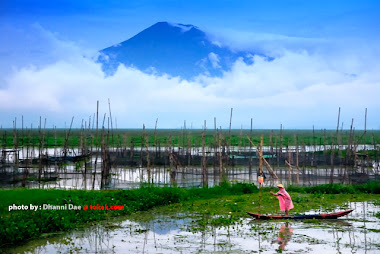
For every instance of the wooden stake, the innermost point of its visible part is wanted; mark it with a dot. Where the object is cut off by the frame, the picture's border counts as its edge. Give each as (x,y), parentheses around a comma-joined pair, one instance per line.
(204,162)
(97,144)
(298,168)
(271,171)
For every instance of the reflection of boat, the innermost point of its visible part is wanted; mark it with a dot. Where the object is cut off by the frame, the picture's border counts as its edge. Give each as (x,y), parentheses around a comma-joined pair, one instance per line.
(301,216)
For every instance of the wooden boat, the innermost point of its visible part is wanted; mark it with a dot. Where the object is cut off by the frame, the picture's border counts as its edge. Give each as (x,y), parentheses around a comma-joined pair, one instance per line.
(300,216)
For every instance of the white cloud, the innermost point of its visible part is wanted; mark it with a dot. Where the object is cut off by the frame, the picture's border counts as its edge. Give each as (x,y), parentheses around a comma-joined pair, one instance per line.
(265,43)
(214,59)
(298,89)
(184,28)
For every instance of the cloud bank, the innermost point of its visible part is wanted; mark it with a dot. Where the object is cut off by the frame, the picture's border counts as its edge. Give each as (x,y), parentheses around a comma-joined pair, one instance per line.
(299,88)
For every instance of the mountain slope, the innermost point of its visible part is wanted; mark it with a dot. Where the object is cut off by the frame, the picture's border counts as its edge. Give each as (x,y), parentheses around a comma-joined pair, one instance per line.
(175,49)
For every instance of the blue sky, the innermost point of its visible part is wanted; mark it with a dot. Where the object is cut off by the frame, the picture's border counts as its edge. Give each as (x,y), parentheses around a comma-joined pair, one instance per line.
(327,58)
(99,23)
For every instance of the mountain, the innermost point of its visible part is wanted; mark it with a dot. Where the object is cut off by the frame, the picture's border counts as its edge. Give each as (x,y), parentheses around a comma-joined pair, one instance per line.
(174,49)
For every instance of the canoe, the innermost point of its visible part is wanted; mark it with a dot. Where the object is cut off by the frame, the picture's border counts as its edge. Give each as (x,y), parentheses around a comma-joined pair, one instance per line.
(300,216)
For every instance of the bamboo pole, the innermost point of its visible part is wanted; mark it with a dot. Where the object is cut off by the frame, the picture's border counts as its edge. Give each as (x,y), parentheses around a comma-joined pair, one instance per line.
(215,163)
(312,144)
(277,150)
(261,156)
(228,144)
(97,144)
(104,161)
(155,143)
(104,156)
(270,169)
(41,147)
(250,156)
(297,161)
(280,144)
(260,168)
(349,154)
(171,170)
(147,157)
(333,151)
(365,143)
(204,162)
(109,109)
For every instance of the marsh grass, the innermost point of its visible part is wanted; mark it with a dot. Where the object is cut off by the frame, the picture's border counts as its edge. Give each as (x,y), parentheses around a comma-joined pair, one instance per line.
(57,137)
(18,226)
(229,210)
(218,206)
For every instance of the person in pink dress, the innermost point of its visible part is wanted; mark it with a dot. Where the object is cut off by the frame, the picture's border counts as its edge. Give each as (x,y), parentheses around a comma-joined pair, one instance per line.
(284,199)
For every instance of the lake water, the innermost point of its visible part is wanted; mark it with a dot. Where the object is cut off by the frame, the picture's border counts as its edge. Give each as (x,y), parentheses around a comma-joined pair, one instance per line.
(86,174)
(359,232)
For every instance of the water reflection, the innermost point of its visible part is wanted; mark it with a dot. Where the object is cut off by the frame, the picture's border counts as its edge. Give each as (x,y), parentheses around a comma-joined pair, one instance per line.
(78,170)
(285,234)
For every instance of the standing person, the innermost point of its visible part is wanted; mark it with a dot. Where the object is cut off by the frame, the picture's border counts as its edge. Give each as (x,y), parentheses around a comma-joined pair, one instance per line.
(284,199)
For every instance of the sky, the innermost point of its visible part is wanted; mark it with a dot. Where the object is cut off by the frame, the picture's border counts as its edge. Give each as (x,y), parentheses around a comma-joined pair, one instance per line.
(326,55)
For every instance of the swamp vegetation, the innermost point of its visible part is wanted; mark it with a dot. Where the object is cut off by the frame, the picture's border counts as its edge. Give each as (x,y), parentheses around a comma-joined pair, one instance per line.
(142,170)
(217,206)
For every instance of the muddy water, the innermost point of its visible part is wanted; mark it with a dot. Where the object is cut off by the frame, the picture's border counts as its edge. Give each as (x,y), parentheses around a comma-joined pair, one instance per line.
(358,232)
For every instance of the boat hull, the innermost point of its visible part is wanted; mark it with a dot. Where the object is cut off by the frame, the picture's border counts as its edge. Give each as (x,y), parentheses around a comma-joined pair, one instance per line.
(300,216)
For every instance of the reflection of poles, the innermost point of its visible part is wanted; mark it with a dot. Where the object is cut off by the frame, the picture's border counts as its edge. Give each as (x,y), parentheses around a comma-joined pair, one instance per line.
(145,240)
(336,236)
(213,233)
(364,225)
(259,233)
